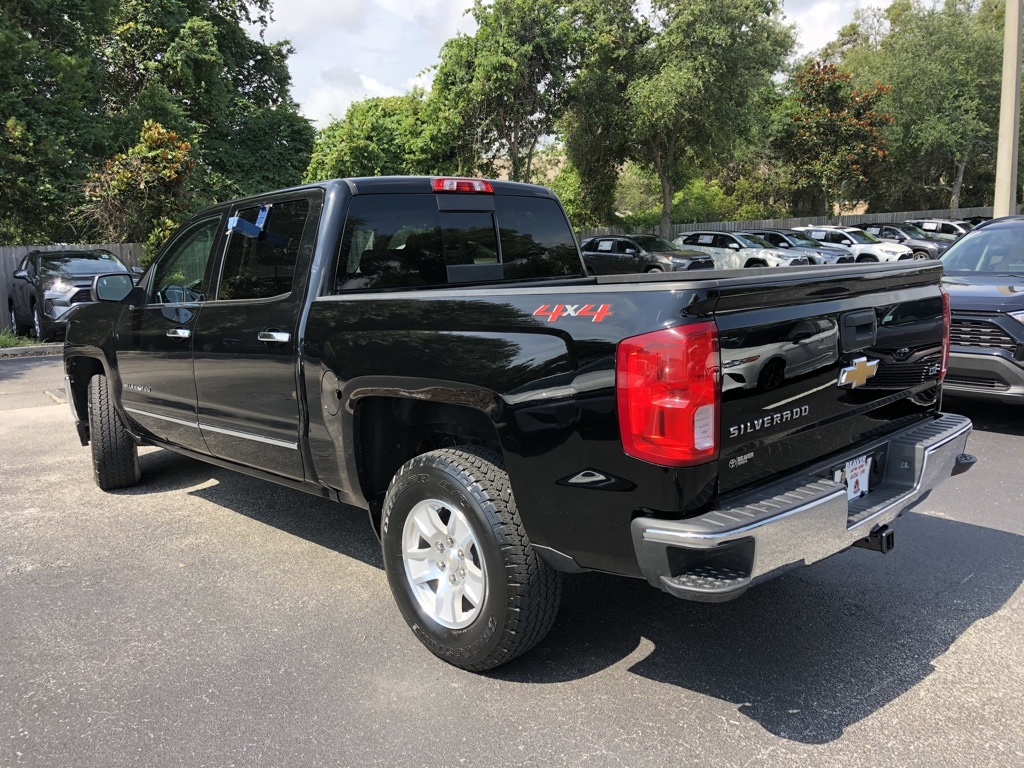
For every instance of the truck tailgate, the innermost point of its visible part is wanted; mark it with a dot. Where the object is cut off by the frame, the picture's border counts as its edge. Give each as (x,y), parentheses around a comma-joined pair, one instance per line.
(816,362)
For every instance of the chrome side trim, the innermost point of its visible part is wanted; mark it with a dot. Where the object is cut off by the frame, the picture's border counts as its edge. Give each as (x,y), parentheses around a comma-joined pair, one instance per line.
(161,417)
(250,436)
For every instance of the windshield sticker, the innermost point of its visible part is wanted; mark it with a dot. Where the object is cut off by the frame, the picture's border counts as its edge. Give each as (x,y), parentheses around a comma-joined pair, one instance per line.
(595,312)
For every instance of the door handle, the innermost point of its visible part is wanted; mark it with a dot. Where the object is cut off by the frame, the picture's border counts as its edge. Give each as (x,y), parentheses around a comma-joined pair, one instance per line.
(179,333)
(274,337)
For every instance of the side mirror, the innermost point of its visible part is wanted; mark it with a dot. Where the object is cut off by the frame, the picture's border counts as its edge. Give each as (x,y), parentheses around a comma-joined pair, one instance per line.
(782,244)
(117,288)
(137,270)
(846,242)
(734,246)
(21,274)
(631,251)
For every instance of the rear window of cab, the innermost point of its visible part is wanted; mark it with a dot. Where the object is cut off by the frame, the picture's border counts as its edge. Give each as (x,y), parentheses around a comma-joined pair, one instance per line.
(406,240)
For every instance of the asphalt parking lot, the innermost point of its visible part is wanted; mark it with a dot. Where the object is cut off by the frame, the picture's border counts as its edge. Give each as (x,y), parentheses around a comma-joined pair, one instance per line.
(204,618)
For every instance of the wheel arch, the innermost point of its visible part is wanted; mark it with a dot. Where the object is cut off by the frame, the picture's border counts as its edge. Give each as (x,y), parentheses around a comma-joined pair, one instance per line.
(79,370)
(391,427)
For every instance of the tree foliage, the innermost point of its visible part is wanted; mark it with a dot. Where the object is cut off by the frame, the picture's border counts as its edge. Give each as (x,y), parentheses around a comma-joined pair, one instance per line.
(139,195)
(944,67)
(835,135)
(500,91)
(50,112)
(697,79)
(378,137)
(79,79)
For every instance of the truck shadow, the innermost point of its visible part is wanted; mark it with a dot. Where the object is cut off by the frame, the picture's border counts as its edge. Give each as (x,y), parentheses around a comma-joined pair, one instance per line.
(337,527)
(807,655)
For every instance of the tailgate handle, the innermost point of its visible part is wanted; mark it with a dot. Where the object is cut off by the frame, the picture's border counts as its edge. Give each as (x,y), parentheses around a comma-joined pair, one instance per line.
(858,330)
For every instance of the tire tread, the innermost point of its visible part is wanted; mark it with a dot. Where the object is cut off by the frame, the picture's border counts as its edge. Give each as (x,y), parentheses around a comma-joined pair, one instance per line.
(115,456)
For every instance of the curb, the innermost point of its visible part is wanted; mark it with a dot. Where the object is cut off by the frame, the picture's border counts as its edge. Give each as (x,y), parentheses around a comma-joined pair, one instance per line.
(7,353)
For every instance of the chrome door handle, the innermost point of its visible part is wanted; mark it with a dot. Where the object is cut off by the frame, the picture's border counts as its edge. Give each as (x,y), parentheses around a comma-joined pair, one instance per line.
(274,337)
(179,333)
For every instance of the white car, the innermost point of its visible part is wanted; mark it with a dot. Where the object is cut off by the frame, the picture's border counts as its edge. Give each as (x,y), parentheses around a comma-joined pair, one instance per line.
(735,250)
(865,247)
(763,358)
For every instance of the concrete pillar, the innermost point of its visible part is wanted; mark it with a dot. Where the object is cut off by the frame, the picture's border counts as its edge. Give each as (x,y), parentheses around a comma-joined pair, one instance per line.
(1009,115)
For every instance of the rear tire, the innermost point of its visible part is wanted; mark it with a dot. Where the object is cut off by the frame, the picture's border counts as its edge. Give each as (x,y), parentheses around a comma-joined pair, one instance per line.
(16,328)
(115,456)
(459,563)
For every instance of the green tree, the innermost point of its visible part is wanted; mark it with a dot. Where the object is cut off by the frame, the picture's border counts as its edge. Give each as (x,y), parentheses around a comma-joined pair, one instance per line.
(499,92)
(597,123)
(944,67)
(835,138)
(377,137)
(51,124)
(698,77)
(140,195)
(193,66)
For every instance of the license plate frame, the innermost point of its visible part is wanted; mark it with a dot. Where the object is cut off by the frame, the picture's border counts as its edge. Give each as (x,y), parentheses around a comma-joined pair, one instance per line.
(856,475)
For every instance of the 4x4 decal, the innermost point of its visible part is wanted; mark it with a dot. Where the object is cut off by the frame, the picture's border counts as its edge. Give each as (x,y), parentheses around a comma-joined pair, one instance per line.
(596,312)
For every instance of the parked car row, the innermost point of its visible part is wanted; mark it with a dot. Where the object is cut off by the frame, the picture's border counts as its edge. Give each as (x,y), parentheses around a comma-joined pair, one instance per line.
(47,284)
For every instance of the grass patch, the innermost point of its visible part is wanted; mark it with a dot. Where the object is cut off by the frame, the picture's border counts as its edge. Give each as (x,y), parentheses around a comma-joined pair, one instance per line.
(8,339)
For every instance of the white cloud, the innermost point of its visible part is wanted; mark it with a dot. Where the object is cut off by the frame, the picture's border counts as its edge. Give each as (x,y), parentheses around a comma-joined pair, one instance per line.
(818,21)
(350,50)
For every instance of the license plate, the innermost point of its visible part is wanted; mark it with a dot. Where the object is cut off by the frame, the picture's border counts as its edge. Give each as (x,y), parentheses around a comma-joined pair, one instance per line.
(856,474)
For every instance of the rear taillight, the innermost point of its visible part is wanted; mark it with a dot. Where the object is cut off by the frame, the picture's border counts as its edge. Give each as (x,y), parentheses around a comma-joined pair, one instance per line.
(473,186)
(668,394)
(946,322)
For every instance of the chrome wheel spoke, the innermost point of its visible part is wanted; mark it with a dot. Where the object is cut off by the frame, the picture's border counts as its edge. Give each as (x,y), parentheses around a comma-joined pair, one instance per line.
(444,566)
(474,585)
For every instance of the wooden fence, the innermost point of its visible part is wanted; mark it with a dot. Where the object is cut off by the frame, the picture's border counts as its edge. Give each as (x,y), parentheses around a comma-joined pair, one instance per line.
(807,221)
(11,256)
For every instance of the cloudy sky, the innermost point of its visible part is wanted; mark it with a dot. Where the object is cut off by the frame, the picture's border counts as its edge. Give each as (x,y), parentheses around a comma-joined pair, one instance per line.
(347,50)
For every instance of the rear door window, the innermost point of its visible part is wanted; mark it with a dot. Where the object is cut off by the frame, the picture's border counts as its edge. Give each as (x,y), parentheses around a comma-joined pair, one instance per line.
(264,267)
(403,241)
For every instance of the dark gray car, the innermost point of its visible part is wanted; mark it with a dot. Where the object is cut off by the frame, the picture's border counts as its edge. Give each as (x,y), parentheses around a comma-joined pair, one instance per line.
(915,238)
(623,254)
(47,284)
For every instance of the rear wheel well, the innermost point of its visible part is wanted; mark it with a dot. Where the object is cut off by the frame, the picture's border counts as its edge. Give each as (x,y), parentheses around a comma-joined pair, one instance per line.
(392,430)
(81,370)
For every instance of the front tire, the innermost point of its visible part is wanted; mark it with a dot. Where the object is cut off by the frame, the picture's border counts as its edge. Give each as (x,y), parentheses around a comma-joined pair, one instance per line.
(459,563)
(39,328)
(867,259)
(115,456)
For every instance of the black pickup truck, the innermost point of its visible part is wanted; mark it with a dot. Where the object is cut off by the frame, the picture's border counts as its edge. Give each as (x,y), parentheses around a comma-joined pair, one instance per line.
(433,351)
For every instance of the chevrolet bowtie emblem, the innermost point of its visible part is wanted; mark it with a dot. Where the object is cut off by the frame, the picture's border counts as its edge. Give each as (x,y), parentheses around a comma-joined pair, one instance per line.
(857,374)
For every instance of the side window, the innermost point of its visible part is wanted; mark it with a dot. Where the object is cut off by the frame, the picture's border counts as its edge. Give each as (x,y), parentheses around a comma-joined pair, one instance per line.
(626,245)
(772,238)
(263,267)
(949,229)
(385,243)
(723,241)
(606,246)
(692,240)
(708,240)
(536,239)
(180,275)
